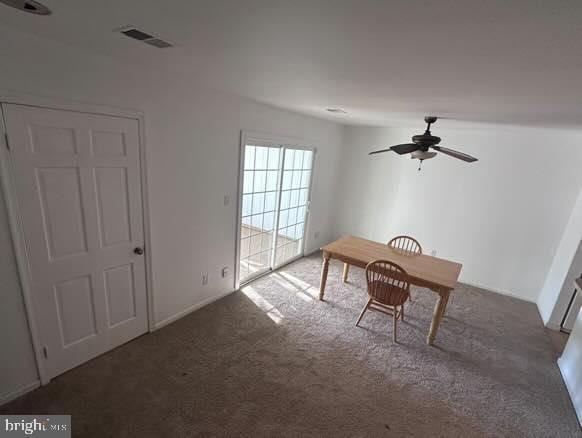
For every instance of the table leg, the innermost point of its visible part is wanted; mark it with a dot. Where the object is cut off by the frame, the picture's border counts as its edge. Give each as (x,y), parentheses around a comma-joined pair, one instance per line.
(324,268)
(444,306)
(438,314)
(346,272)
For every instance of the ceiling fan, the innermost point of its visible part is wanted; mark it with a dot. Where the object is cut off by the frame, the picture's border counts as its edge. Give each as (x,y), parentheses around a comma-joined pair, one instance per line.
(419,148)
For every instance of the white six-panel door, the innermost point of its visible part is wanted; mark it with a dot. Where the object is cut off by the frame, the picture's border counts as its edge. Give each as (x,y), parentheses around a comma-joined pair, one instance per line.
(78,185)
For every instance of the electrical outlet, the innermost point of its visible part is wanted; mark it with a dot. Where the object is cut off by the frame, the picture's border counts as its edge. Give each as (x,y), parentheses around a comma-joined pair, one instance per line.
(433,253)
(226,200)
(316,235)
(224,272)
(204,279)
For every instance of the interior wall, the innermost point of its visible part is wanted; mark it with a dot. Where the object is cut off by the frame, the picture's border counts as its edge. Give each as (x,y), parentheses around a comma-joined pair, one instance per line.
(502,217)
(192,141)
(192,231)
(557,290)
(570,367)
(17,368)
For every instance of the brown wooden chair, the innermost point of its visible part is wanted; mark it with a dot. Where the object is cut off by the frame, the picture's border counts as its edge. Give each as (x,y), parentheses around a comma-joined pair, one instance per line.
(407,244)
(388,290)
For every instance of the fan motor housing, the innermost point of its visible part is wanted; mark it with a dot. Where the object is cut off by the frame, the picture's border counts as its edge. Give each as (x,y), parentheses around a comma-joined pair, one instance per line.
(426,140)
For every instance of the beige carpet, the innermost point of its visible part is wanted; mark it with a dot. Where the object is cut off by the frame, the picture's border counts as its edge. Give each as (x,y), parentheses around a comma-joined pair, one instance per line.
(274,361)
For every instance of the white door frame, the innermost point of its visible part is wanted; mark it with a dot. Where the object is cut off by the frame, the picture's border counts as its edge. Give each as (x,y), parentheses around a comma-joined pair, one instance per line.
(7,182)
(264,139)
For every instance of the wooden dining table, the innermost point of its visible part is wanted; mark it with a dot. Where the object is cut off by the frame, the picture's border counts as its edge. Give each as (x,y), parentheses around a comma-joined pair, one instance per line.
(438,275)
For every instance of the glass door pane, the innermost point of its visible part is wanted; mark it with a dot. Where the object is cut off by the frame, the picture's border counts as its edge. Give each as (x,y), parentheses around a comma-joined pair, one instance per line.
(296,178)
(258,209)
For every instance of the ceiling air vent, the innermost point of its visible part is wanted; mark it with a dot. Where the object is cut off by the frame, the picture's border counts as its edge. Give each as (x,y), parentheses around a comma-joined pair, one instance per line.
(156,42)
(144,37)
(28,6)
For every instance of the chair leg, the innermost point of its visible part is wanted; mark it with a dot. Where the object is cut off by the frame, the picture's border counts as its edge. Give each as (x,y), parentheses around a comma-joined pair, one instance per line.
(363,311)
(394,319)
(402,312)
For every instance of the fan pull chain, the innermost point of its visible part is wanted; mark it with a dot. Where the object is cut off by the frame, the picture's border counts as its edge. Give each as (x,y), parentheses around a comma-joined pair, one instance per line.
(420,164)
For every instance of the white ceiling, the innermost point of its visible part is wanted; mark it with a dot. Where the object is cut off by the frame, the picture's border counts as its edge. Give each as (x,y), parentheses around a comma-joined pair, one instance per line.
(508,61)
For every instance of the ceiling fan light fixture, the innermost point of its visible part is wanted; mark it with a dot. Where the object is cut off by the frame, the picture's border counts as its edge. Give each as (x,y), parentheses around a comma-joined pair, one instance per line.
(422,155)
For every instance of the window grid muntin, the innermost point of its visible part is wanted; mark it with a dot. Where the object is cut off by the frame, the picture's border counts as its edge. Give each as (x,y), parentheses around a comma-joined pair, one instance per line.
(296,179)
(258,235)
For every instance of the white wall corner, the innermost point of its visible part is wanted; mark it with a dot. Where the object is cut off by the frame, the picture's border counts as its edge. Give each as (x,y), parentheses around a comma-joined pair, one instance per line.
(552,326)
(551,304)
(569,364)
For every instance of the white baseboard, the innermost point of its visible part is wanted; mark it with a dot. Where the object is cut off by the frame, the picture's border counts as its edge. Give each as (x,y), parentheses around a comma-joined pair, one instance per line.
(498,291)
(307,253)
(578,408)
(194,307)
(5,398)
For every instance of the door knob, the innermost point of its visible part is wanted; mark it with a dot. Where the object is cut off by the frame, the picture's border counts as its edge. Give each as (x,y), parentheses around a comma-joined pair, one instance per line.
(138,251)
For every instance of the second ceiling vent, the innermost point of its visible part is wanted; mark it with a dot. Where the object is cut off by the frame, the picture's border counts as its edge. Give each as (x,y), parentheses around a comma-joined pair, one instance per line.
(144,37)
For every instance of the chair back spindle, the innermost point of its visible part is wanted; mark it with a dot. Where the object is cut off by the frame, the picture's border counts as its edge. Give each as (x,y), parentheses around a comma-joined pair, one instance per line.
(387,282)
(406,243)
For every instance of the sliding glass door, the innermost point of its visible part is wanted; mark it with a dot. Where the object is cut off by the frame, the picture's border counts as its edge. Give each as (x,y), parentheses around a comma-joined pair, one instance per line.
(274,196)
(294,205)
(260,196)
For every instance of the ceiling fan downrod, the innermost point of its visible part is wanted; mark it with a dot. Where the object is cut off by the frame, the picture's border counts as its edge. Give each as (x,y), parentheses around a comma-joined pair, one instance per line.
(429,121)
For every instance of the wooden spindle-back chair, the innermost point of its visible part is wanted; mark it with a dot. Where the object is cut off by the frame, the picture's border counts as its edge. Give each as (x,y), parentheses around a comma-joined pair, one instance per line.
(406,244)
(388,290)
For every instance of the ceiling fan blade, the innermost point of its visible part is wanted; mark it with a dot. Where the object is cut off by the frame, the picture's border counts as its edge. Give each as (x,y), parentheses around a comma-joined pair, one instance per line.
(405,148)
(380,151)
(455,154)
(400,149)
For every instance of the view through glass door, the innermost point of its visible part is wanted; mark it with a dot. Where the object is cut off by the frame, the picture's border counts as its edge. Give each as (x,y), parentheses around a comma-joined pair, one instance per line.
(275,196)
(293,206)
